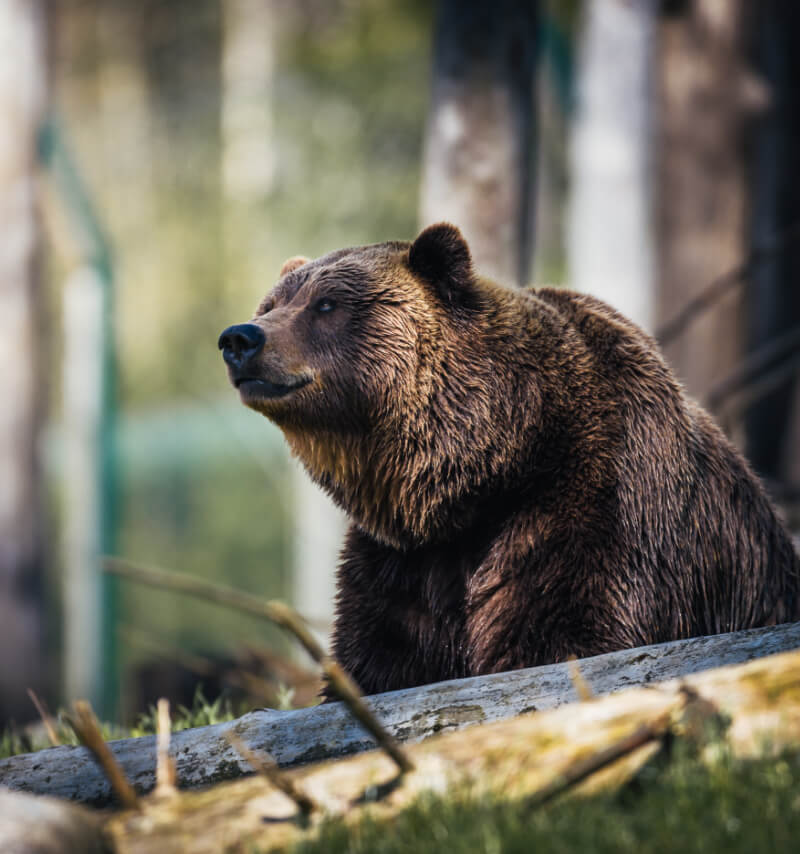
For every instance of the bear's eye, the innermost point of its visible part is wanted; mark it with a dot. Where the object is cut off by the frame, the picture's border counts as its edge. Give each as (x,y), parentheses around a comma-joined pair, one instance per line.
(324,305)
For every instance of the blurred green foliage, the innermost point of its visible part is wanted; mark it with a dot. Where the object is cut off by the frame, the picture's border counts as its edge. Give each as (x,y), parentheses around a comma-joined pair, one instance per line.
(141,93)
(217,520)
(201,712)
(141,90)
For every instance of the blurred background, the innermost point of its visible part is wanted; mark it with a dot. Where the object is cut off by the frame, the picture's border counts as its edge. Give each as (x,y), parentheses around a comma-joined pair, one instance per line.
(159,159)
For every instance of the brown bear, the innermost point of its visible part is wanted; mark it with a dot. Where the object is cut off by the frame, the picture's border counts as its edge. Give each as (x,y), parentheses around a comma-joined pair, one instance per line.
(526,479)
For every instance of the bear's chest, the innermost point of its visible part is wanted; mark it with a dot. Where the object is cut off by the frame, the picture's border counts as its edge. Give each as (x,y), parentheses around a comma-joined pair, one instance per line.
(426,607)
(407,618)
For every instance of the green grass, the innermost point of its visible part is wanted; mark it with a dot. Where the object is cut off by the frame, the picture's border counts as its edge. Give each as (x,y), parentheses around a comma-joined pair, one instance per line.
(202,713)
(727,806)
(684,805)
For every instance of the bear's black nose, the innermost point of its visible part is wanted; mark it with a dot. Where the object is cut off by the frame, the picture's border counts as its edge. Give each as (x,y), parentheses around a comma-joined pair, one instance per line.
(240,343)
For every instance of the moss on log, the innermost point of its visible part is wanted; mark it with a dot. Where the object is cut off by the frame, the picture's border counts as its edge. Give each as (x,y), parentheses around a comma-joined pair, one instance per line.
(532,756)
(204,756)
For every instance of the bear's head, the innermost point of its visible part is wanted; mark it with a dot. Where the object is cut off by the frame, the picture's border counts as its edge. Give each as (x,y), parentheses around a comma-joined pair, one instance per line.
(374,362)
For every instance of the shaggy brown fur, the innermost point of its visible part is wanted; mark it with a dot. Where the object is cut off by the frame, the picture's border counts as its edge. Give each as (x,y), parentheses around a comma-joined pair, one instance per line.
(525,477)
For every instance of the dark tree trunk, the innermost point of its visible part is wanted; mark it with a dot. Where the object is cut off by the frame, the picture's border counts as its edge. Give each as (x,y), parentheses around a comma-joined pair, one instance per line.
(702,193)
(773,423)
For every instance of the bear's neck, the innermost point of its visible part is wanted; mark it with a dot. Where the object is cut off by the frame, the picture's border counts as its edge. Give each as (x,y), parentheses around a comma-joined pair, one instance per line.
(466,444)
(388,494)
(429,476)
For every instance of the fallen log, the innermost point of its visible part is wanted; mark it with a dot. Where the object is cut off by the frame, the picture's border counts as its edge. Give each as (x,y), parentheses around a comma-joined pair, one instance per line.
(205,755)
(40,825)
(588,745)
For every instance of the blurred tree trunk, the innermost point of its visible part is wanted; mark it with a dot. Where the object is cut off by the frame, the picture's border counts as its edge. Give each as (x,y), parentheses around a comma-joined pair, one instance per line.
(706,98)
(23,94)
(773,424)
(248,59)
(554,100)
(479,146)
(251,32)
(610,234)
(249,37)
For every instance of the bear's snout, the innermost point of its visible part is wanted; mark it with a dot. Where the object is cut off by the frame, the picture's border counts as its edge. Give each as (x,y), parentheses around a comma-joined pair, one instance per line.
(240,343)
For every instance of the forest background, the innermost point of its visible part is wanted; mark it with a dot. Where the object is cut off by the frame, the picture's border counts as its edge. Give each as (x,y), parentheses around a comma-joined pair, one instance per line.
(162,158)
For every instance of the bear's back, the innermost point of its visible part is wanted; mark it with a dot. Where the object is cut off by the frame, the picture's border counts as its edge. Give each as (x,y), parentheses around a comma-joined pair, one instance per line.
(701,533)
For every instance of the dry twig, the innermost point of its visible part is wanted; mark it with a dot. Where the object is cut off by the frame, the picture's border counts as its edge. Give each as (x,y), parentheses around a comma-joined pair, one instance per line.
(285,617)
(582,687)
(718,287)
(262,763)
(165,764)
(757,390)
(86,728)
(754,367)
(583,768)
(46,717)
(688,719)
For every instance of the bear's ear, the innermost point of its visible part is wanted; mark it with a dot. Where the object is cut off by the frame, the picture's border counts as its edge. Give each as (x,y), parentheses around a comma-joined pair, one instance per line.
(440,256)
(293,264)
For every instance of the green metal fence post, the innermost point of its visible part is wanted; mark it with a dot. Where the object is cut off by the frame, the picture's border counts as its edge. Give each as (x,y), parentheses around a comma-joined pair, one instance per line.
(103,685)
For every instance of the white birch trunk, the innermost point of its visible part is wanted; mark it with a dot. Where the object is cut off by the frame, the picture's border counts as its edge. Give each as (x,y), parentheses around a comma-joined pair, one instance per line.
(609,240)
(319,528)
(82,412)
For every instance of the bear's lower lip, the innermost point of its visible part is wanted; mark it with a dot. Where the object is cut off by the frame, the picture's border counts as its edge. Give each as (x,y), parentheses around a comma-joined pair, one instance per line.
(251,388)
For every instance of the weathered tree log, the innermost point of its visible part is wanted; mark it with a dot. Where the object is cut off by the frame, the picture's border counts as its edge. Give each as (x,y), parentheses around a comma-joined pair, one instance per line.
(204,755)
(37,825)
(597,743)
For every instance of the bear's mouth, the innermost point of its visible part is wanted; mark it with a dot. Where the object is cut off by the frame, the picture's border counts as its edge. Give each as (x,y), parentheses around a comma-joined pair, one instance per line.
(257,388)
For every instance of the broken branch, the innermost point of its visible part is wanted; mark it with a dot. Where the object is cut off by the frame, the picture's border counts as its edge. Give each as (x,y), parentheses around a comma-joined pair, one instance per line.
(285,617)
(86,728)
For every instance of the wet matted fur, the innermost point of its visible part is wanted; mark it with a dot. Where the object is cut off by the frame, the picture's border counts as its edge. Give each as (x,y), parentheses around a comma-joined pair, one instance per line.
(525,478)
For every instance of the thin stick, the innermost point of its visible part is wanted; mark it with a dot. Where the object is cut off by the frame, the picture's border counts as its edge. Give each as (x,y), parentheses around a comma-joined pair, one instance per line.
(262,763)
(688,718)
(252,684)
(722,284)
(751,394)
(583,768)
(348,691)
(582,687)
(165,764)
(751,369)
(86,728)
(285,617)
(47,719)
(276,612)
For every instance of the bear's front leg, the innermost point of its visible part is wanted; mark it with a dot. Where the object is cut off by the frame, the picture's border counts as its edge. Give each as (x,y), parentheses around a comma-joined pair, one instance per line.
(533,609)
(399,616)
